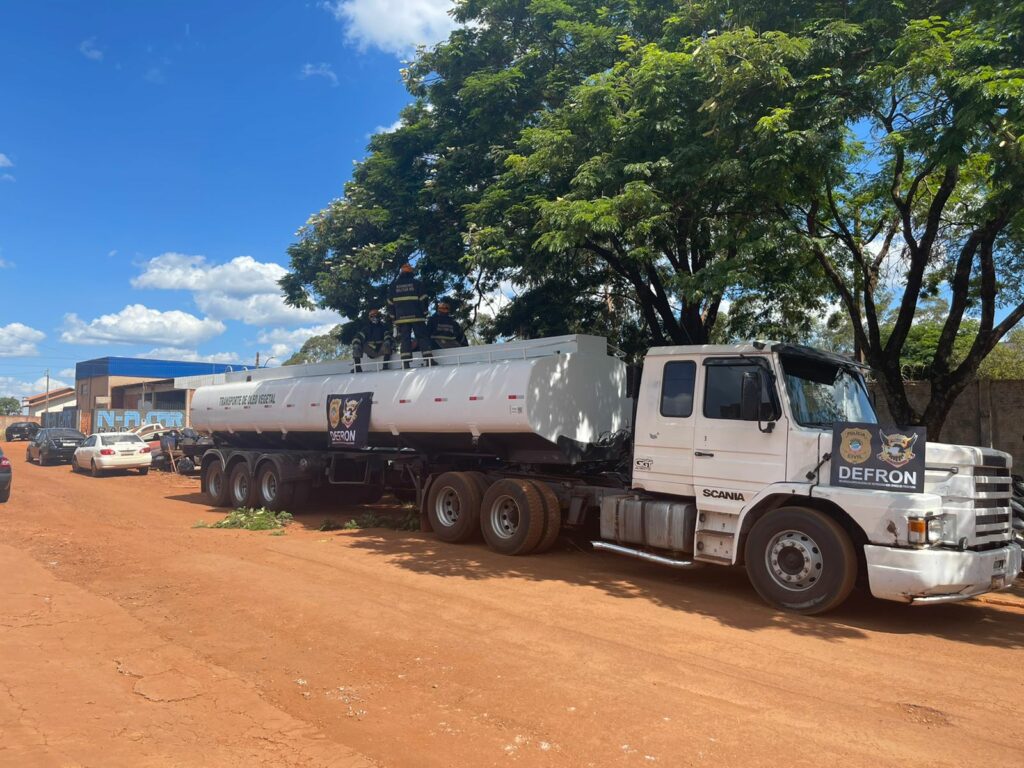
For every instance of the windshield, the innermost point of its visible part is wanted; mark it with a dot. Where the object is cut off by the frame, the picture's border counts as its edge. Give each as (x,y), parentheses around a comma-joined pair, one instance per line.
(821,393)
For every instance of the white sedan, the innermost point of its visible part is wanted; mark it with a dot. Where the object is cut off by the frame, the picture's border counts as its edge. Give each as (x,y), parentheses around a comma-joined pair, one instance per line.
(112,450)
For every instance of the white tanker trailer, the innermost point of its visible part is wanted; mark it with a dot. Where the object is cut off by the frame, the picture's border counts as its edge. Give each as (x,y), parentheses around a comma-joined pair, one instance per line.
(762,455)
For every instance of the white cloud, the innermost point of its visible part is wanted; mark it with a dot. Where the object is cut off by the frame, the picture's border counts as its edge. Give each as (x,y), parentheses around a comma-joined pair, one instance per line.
(18,340)
(5,161)
(190,355)
(242,289)
(12,387)
(68,373)
(4,264)
(138,324)
(7,177)
(395,26)
(388,128)
(88,49)
(281,343)
(323,69)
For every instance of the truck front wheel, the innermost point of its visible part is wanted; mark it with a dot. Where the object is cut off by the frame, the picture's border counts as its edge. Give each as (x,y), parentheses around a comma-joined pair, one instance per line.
(453,507)
(512,517)
(214,484)
(800,560)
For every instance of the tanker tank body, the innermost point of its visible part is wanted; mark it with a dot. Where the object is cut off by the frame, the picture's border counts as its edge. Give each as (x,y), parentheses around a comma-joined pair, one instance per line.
(483,413)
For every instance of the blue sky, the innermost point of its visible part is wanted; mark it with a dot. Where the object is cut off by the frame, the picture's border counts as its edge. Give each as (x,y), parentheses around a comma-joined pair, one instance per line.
(156,159)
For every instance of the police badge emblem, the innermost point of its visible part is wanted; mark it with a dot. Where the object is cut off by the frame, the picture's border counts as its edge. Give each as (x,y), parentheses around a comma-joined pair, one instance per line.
(855,445)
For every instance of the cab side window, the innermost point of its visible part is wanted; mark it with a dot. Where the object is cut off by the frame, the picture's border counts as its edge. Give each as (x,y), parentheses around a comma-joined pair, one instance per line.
(677,386)
(723,389)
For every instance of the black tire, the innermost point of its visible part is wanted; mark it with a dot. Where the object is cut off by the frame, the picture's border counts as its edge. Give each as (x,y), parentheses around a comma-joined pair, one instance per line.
(241,487)
(42,460)
(5,494)
(271,491)
(94,470)
(453,507)
(481,481)
(143,470)
(28,456)
(552,517)
(800,560)
(214,484)
(512,517)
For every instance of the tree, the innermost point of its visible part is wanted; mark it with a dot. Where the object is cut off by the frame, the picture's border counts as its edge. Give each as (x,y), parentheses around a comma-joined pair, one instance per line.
(902,161)
(550,136)
(320,349)
(10,406)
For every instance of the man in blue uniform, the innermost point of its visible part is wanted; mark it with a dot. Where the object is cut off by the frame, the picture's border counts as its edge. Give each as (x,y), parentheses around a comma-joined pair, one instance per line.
(445,331)
(373,340)
(407,305)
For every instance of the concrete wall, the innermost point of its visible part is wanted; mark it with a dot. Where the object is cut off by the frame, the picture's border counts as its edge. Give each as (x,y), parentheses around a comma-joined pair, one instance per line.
(987,413)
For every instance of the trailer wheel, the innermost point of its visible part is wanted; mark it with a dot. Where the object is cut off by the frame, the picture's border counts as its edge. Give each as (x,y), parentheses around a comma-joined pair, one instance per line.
(512,517)
(552,517)
(214,484)
(241,488)
(453,507)
(800,560)
(481,481)
(271,491)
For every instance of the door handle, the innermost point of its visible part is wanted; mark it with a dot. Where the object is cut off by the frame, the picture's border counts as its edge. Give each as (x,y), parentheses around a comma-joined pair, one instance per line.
(703,453)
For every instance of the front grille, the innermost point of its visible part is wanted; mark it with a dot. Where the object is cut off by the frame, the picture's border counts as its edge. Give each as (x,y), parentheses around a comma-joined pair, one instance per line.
(994,519)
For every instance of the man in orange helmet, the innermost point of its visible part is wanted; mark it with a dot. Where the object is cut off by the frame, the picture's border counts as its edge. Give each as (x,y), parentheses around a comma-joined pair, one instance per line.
(407,305)
(445,331)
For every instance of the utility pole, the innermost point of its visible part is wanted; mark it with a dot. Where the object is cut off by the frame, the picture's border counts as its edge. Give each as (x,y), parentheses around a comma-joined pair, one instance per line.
(46,403)
(257,359)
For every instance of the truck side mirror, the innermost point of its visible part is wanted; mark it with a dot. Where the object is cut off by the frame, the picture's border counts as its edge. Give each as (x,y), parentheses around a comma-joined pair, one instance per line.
(750,396)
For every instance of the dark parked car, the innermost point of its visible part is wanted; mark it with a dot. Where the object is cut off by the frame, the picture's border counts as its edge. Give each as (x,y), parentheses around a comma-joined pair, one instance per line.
(22,430)
(52,445)
(5,477)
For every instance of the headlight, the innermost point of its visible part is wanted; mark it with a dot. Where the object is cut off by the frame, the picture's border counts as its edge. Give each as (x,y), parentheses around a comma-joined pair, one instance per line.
(934,529)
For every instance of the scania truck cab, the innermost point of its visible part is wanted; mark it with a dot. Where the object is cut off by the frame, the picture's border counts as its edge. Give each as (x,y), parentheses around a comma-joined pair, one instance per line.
(747,432)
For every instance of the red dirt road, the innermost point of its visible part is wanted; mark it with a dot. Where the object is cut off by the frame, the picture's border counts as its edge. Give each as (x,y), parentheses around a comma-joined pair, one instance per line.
(130,638)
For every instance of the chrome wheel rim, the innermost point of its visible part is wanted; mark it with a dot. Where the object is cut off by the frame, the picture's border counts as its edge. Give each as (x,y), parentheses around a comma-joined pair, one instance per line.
(269,486)
(241,487)
(448,507)
(213,482)
(794,560)
(505,517)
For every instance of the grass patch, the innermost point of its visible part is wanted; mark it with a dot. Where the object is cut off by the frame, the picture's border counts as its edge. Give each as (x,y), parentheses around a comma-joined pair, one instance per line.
(407,522)
(251,519)
(330,524)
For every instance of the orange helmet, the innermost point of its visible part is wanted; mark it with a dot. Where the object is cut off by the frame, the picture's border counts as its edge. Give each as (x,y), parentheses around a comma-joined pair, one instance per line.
(407,268)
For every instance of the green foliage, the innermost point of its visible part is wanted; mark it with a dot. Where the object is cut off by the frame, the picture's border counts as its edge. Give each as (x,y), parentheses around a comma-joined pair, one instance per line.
(10,406)
(410,521)
(251,520)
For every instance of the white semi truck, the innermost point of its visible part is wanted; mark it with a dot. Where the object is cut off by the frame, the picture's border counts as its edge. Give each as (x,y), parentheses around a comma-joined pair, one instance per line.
(716,454)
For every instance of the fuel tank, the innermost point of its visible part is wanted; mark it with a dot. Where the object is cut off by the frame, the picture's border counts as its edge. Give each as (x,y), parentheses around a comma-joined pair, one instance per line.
(539,400)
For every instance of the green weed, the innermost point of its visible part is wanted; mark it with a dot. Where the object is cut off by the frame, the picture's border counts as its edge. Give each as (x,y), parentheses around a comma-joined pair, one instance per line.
(407,522)
(253,519)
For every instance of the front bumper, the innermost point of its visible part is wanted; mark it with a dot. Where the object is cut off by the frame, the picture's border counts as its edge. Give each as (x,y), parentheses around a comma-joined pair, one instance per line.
(939,575)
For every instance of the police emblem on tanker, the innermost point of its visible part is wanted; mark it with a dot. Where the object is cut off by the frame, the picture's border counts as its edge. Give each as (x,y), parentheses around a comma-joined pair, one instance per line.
(334,414)
(897,450)
(350,413)
(855,445)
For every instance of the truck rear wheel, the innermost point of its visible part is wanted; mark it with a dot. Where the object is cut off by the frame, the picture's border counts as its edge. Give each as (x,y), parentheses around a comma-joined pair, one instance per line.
(552,517)
(453,507)
(241,488)
(271,491)
(214,484)
(512,517)
(800,560)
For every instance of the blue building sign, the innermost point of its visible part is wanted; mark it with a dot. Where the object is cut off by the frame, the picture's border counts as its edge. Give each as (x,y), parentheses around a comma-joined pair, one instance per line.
(119,420)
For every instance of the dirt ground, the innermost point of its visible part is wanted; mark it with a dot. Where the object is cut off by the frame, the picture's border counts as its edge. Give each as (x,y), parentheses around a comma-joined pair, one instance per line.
(130,638)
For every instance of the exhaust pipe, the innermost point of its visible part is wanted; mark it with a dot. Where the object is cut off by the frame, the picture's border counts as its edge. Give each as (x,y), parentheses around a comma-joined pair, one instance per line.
(641,555)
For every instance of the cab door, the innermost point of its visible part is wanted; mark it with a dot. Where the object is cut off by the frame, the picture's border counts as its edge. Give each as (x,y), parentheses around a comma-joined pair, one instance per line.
(664,435)
(734,459)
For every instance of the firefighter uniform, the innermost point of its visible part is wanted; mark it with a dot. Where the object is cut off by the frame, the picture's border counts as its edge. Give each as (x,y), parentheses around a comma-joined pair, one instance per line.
(407,305)
(373,340)
(445,332)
